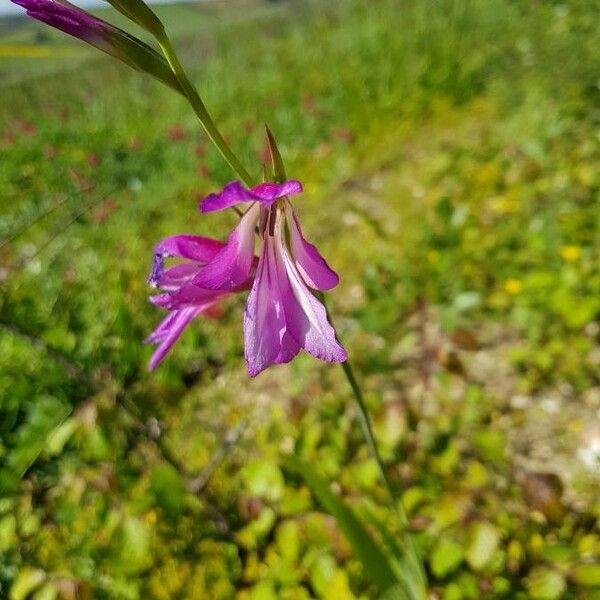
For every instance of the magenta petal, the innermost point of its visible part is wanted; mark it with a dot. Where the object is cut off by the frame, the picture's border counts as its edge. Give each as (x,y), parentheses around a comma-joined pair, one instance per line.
(178,275)
(231,267)
(282,315)
(265,333)
(187,295)
(71,20)
(201,250)
(161,300)
(159,334)
(306,317)
(195,247)
(268,192)
(167,333)
(233,193)
(312,266)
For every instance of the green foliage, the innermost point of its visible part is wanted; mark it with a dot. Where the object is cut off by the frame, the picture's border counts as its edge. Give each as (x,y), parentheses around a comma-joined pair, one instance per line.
(445,557)
(545,584)
(449,151)
(482,545)
(370,554)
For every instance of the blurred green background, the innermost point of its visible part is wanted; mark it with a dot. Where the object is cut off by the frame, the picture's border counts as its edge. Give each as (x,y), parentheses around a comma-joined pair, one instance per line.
(450,151)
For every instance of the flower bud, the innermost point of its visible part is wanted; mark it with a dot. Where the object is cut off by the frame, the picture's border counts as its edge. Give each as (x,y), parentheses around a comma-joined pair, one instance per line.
(102,35)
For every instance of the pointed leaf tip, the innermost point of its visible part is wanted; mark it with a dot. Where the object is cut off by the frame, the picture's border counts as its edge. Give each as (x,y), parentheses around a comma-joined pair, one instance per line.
(141,14)
(277,161)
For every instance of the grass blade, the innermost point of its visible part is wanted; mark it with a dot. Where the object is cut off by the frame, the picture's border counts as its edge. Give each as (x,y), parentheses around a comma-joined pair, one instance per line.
(373,558)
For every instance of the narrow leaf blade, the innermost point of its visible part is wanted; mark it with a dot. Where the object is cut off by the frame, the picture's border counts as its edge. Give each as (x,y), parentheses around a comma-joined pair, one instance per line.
(278,166)
(374,561)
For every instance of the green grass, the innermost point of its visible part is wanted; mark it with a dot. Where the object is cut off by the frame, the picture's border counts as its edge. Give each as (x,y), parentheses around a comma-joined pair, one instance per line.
(450,156)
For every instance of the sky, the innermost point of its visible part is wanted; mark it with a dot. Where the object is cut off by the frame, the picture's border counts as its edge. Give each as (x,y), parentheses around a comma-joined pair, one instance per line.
(8,8)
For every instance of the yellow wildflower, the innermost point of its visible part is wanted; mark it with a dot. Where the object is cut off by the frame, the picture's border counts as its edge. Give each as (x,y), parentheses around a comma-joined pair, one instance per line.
(513,286)
(570,253)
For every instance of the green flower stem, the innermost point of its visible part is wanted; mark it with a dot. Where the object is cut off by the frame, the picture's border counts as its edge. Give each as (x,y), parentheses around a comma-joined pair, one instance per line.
(200,109)
(414,563)
(367,429)
(365,423)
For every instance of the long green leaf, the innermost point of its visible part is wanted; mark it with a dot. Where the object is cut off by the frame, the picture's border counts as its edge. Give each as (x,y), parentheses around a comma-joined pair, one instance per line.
(140,56)
(375,562)
(406,571)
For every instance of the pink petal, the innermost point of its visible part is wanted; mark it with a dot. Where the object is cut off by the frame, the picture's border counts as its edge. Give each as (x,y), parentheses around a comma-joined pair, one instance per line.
(231,267)
(233,193)
(201,250)
(282,315)
(161,300)
(186,296)
(306,317)
(176,276)
(265,332)
(167,333)
(268,192)
(162,330)
(312,266)
(195,247)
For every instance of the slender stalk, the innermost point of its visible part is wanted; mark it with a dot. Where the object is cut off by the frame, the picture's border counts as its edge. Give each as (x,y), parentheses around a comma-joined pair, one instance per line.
(365,423)
(201,111)
(414,563)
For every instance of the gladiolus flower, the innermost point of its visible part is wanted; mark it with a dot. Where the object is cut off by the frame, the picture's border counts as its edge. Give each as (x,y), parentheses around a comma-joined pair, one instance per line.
(282,315)
(181,297)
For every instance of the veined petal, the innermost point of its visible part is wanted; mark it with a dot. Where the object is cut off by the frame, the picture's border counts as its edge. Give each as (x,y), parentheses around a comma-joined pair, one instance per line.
(199,249)
(312,266)
(195,247)
(167,333)
(187,295)
(268,192)
(231,266)
(161,300)
(233,193)
(282,315)
(306,317)
(174,277)
(266,338)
